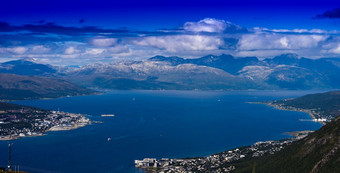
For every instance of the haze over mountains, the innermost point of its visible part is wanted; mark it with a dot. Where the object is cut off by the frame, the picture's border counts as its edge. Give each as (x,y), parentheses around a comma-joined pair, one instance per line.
(22,79)
(224,72)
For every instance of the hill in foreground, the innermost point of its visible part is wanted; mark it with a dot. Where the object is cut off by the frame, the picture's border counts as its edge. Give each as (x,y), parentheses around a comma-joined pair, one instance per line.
(318,152)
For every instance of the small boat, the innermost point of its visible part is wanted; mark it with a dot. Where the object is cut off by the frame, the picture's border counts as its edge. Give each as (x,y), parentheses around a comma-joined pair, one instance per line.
(107,115)
(108,139)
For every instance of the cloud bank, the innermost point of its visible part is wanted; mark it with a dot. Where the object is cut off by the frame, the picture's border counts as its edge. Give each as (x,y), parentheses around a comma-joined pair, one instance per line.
(65,45)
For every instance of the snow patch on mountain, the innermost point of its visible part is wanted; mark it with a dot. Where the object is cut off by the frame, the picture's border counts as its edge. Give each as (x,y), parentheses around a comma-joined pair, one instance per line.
(255,72)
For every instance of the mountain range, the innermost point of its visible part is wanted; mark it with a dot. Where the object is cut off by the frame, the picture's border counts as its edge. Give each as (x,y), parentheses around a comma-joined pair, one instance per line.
(224,72)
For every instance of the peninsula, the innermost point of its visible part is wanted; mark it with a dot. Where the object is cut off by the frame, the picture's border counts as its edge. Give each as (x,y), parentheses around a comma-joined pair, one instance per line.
(22,121)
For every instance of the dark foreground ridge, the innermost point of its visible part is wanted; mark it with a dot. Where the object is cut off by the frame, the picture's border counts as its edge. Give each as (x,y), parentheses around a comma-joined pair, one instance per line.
(318,152)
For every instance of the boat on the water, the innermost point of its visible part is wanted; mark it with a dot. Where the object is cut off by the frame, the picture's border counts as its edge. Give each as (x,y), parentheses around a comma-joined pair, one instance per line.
(107,115)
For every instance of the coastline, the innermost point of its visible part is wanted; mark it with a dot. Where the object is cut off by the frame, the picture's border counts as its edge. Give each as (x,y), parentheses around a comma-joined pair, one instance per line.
(289,108)
(52,121)
(52,129)
(65,128)
(83,121)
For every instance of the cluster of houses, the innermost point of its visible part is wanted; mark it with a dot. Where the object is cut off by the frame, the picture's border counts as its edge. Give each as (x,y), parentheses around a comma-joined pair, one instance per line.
(217,163)
(15,123)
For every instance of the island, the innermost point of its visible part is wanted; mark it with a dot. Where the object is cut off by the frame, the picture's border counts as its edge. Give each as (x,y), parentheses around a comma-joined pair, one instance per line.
(23,121)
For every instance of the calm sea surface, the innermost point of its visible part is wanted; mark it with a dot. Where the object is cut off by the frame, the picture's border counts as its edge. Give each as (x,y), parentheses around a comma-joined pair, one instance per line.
(158,124)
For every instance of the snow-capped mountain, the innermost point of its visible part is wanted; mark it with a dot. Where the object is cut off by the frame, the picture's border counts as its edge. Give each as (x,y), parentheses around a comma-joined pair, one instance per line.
(155,75)
(287,71)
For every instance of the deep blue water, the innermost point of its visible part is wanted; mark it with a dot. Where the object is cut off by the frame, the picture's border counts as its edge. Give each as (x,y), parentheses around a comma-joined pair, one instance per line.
(154,124)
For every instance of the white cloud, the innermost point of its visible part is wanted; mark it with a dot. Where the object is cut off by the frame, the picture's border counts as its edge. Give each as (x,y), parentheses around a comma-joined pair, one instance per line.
(104,42)
(40,49)
(266,41)
(14,50)
(177,43)
(94,51)
(334,48)
(119,49)
(295,31)
(206,25)
(192,40)
(71,50)
(211,25)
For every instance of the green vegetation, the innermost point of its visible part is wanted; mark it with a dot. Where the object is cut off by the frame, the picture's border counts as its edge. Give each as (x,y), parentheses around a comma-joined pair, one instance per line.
(326,104)
(318,152)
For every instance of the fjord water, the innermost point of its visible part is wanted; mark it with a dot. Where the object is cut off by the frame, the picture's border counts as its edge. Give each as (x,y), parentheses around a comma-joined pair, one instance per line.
(158,124)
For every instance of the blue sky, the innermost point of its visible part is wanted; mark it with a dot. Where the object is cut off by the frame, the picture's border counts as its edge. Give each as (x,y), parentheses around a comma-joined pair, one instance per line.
(80,32)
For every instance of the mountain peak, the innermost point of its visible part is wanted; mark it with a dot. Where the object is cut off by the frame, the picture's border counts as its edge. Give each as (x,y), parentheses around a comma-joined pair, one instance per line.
(20,62)
(173,60)
(288,55)
(26,66)
(284,59)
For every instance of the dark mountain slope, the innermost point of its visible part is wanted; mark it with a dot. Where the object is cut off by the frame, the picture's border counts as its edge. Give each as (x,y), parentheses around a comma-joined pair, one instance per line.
(326,104)
(318,152)
(14,87)
(24,67)
(224,62)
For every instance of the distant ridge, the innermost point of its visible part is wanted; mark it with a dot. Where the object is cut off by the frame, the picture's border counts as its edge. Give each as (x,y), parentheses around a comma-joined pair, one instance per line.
(18,87)
(26,67)
(211,72)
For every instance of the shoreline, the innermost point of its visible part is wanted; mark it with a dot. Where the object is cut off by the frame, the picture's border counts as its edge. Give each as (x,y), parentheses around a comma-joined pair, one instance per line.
(52,129)
(66,128)
(289,108)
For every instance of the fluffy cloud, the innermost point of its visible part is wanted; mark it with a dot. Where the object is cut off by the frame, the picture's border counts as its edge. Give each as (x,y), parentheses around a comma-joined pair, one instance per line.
(94,51)
(119,49)
(14,50)
(333,47)
(335,50)
(71,50)
(178,43)
(192,40)
(39,49)
(212,25)
(206,25)
(104,42)
(266,41)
